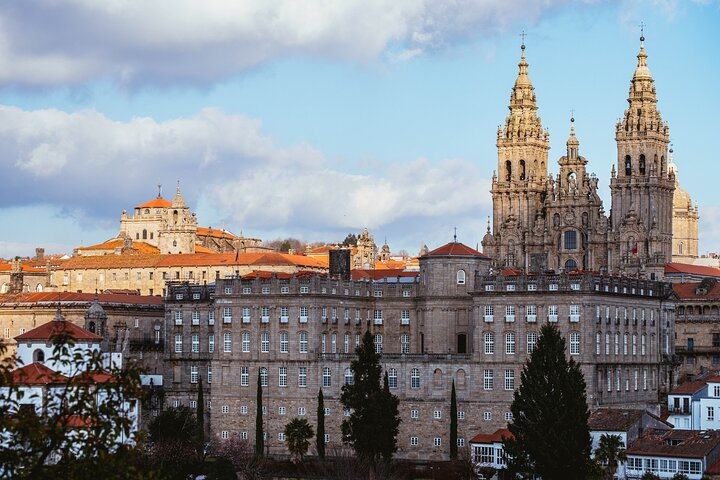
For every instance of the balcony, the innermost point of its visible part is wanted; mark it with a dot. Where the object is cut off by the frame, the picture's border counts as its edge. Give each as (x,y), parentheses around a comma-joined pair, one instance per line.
(227,319)
(303,319)
(284,319)
(531,318)
(509,318)
(552,318)
(679,411)
(574,318)
(246,319)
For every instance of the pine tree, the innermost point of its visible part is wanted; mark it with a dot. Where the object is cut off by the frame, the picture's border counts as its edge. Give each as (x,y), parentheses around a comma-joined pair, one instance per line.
(200,419)
(453,423)
(320,437)
(550,413)
(373,424)
(259,434)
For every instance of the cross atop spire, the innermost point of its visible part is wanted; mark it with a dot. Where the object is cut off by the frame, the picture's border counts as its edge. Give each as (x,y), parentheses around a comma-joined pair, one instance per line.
(642,31)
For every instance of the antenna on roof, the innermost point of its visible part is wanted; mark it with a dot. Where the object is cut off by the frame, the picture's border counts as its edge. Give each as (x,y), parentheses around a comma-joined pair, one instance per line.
(455,235)
(159,190)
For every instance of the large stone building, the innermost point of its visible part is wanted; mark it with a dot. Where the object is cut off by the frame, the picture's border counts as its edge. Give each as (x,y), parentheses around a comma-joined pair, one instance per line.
(685,221)
(453,320)
(541,222)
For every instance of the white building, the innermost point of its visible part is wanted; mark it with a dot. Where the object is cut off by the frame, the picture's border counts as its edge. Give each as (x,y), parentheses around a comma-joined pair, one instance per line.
(695,405)
(669,452)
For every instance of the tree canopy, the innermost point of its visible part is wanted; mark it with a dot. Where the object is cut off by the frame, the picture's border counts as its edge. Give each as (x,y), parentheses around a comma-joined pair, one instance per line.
(372,427)
(550,413)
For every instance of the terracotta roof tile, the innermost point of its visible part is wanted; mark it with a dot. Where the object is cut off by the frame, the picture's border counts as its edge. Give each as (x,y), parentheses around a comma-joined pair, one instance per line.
(690,290)
(137,246)
(688,388)
(58,327)
(215,233)
(158,202)
(614,419)
(495,437)
(37,374)
(7,267)
(381,274)
(454,248)
(675,443)
(60,297)
(201,249)
(675,267)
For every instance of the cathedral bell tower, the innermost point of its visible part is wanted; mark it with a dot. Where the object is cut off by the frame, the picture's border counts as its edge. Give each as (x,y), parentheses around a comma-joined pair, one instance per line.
(518,188)
(642,189)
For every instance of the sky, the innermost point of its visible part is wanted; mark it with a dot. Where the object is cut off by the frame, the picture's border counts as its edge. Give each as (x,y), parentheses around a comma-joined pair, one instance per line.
(312,119)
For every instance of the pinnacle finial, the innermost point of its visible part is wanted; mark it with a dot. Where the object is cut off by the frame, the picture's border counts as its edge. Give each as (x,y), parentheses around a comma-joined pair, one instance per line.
(159,190)
(177,189)
(642,32)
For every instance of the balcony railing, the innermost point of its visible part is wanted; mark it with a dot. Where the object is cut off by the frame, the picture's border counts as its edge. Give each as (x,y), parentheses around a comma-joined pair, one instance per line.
(531,318)
(574,318)
(488,318)
(552,318)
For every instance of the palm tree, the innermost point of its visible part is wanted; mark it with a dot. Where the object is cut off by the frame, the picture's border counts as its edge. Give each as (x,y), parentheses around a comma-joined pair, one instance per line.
(298,434)
(611,450)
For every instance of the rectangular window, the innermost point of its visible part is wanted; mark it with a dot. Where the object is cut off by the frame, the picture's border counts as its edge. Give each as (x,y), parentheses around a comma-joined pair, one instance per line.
(211,317)
(509,379)
(552,313)
(489,343)
(489,288)
(531,313)
(193,374)
(437,441)
(284,316)
(209,374)
(574,313)
(227,342)
(510,313)
(378,317)
(227,315)
(195,318)
(301,411)
(195,343)
(303,315)
(246,315)
(532,287)
(178,343)
(264,342)
(532,339)
(488,380)
(405,317)
(178,317)
(211,343)
(414,441)
(711,413)
(303,343)
(244,376)
(302,376)
(437,414)
(510,343)
(489,312)
(282,377)
(414,414)
(415,378)
(284,343)
(264,314)
(574,343)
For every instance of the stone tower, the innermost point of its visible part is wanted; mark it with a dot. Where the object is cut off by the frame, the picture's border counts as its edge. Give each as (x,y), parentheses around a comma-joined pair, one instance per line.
(642,189)
(179,227)
(518,188)
(685,220)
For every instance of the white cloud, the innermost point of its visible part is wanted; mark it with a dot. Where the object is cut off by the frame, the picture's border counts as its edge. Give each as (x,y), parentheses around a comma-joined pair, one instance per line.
(135,42)
(93,167)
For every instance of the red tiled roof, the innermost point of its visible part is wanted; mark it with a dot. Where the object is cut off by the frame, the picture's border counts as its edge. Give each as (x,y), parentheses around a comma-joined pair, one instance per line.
(140,247)
(675,267)
(688,291)
(37,374)
(264,274)
(7,267)
(190,260)
(158,202)
(58,327)
(455,248)
(94,377)
(495,437)
(688,388)
(207,232)
(614,419)
(675,443)
(60,297)
(201,249)
(381,274)
(76,421)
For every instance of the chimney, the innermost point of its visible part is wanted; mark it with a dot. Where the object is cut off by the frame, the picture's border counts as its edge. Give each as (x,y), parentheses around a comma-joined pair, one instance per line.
(39,254)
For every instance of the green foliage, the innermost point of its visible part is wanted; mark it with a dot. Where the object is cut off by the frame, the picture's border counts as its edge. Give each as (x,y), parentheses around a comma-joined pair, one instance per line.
(297,435)
(172,447)
(680,476)
(259,436)
(350,240)
(173,424)
(453,423)
(550,414)
(373,424)
(200,419)
(610,450)
(650,476)
(49,444)
(320,436)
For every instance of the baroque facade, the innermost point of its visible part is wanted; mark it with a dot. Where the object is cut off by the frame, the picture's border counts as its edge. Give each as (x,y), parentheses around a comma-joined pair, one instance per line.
(541,222)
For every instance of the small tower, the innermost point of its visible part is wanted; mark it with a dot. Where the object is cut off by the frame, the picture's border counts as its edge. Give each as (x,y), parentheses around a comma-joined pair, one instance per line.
(96,321)
(179,227)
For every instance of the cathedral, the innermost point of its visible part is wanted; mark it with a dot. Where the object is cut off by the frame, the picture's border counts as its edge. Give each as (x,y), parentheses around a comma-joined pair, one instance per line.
(558,223)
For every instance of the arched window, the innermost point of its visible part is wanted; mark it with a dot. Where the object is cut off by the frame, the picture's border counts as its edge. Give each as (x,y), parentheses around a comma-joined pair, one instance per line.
(461,343)
(628,165)
(460,277)
(38,356)
(680,248)
(147,211)
(144,234)
(91,327)
(263,377)
(508,171)
(522,169)
(570,265)
(175,216)
(151,235)
(437,378)
(570,240)
(137,236)
(392,378)
(327,377)
(39,287)
(349,378)
(460,379)
(642,165)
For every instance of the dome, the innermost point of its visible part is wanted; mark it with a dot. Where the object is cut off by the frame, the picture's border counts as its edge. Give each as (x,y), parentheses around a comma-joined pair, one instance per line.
(681,198)
(96,310)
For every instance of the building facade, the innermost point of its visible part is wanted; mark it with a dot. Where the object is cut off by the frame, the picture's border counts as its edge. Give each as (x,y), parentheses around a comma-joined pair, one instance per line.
(541,222)
(452,320)
(685,221)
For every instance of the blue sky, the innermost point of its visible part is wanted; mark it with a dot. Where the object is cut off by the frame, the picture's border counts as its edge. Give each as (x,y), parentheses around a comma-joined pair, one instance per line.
(313,119)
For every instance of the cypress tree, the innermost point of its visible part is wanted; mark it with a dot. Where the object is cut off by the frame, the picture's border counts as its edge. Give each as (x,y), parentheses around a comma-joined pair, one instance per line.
(320,436)
(200,419)
(550,413)
(373,424)
(259,437)
(453,423)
